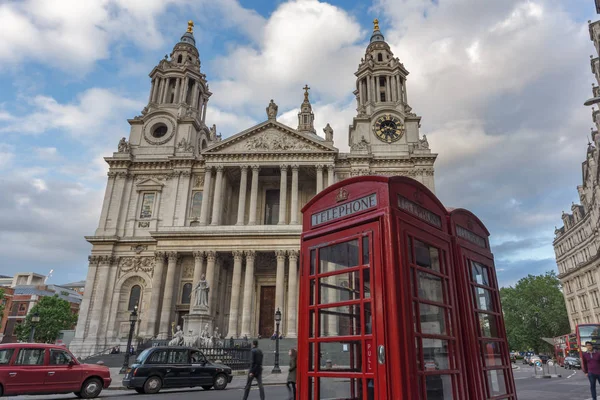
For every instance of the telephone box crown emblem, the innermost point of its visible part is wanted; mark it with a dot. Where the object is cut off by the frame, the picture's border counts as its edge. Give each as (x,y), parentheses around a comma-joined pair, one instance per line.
(342,195)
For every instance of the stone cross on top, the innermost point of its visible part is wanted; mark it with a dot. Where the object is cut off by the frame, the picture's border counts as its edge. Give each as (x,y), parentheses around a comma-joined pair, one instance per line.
(306,89)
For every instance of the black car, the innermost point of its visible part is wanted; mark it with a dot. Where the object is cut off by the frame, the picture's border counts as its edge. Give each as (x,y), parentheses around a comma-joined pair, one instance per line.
(572,362)
(175,367)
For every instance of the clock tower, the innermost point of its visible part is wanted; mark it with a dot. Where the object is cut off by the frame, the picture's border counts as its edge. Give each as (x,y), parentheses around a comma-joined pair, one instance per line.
(384,122)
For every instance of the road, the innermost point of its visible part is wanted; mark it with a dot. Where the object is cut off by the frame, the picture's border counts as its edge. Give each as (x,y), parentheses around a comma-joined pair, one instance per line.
(573,386)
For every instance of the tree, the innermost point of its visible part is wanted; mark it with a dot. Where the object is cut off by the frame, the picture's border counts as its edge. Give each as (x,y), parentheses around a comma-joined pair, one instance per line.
(533,309)
(55,315)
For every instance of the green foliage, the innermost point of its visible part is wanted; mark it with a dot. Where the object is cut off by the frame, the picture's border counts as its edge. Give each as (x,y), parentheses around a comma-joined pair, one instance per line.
(534,308)
(55,315)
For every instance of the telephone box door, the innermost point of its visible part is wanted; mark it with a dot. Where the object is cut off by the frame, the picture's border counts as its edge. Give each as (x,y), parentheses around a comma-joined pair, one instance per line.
(342,283)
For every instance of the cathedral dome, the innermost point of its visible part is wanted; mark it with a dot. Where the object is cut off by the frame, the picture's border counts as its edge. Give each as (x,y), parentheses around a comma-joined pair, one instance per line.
(377,36)
(188,37)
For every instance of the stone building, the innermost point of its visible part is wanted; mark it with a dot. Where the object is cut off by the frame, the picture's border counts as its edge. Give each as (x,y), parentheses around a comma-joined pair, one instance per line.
(577,242)
(182,203)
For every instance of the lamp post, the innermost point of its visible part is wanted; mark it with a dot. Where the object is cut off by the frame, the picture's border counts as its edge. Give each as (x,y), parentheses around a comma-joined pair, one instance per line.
(35,318)
(132,320)
(276,369)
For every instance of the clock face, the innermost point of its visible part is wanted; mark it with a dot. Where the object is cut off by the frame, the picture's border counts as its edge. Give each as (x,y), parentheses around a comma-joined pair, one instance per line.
(388,128)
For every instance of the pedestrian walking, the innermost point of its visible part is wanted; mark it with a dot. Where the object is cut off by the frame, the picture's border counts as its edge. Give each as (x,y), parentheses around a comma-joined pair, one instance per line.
(255,372)
(291,379)
(590,364)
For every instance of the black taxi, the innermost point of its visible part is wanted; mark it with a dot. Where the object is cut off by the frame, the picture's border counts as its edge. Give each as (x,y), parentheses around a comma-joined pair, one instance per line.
(166,367)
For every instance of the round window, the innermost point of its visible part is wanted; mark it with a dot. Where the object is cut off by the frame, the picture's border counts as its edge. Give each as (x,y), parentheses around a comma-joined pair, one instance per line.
(159,130)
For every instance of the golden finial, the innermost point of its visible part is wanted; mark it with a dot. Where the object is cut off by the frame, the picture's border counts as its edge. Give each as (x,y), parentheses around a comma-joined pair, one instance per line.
(190,28)
(375,25)
(306,88)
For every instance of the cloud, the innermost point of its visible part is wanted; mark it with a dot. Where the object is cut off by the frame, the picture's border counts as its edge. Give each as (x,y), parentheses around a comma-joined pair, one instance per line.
(509,272)
(47,153)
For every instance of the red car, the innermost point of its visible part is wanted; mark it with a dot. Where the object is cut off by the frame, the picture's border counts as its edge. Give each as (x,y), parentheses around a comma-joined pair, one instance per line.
(36,368)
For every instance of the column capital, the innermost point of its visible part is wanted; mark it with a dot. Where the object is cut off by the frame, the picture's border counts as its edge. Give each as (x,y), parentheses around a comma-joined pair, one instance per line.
(250,254)
(219,167)
(208,168)
(280,255)
(106,259)
(244,167)
(331,166)
(295,167)
(172,256)
(283,167)
(293,254)
(255,168)
(238,255)
(160,255)
(319,167)
(199,255)
(94,259)
(211,255)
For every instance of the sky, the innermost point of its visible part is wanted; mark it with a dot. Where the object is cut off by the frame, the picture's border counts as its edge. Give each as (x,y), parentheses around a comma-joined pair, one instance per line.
(500,86)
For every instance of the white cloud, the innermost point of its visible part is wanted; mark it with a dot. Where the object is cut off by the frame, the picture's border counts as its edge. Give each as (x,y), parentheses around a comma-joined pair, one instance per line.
(6,155)
(47,153)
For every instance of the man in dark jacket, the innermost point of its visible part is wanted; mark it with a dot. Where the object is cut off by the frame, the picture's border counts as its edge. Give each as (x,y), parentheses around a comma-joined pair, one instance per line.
(255,372)
(590,364)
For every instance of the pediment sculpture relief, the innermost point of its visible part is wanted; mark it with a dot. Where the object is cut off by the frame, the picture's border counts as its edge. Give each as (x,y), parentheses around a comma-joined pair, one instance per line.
(275,141)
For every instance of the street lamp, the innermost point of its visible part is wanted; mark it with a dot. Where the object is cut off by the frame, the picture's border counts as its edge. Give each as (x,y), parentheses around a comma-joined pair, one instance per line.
(35,318)
(276,369)
(132,320)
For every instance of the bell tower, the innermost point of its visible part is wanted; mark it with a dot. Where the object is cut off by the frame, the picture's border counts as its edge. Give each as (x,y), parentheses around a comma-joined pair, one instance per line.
(306,117)
(174,120)
(384,122)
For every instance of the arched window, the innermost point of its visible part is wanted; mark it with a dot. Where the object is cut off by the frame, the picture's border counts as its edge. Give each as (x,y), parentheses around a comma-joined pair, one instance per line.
(196,205)
(134,297)
(179,59)
(379,57)
(186,293)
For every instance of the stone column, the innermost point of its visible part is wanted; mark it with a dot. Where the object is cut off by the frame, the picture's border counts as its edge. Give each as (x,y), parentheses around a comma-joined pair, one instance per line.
(235,295)
(204,110)
(319,178)
(294,208)
(218,197)
(369,89)
(157,290)
(283,195)
(254,195)
(211,260)
(361,93)
(87,302)
(176,92)
(248,292)
(184,84)
(198,265)
(292,312)
(330,175)
(205,195)
(280,285)
(242,197)
(388,88)
(167,304)
(99,293)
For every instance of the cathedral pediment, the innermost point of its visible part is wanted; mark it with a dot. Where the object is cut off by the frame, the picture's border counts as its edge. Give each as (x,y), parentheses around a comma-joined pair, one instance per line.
(148,184)
(268,137)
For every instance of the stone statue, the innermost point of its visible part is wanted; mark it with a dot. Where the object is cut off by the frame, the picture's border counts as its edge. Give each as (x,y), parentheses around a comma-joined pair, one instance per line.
(272,110)
(123,146)
(177,338)
(213,132)
(328,133)
(423,143)
(201,292)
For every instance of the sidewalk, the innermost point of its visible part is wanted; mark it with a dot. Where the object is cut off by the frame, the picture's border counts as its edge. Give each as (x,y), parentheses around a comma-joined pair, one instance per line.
(238,382)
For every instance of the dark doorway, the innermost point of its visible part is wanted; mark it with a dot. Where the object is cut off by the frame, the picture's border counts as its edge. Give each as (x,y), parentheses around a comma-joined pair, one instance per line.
(271,207)
(266,322)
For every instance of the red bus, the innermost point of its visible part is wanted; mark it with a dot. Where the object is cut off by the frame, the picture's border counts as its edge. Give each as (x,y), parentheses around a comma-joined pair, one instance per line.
(564,346)
(398,298)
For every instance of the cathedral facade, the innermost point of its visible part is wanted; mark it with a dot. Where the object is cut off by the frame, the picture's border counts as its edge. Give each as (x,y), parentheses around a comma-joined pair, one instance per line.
(185,209)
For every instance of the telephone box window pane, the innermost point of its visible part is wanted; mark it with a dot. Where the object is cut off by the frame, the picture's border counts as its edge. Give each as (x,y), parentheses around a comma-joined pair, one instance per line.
(342,287)
(430,287)
(368,319)
(312,292)
(311,324)
(439,387)
(432,318)
(339,321)
(427,256)
(435,355)
(311,390)
(480,274)
(311,356)
(492,354)
(340,388)
(418,352)
(313,261)
(483,299)
(367,283)
(147,203)
(341,356)
(488,325)
(338,257)
(496,382)
(365,249)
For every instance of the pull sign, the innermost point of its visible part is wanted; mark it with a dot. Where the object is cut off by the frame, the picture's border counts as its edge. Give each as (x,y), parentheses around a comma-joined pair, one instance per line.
(381,354)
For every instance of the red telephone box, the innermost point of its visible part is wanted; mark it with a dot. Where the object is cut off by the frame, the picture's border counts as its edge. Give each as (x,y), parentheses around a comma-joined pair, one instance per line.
(382,299)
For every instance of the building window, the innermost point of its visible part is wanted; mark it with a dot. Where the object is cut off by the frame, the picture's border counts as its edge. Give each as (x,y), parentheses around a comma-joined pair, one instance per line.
(271,207)
(147,205)
(179,59)
(196,205)
(134,297)
(595,298)
(379,57)
(186,293)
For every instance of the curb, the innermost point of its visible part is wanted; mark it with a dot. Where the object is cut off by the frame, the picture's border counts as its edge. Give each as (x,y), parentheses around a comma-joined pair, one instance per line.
(194,387)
